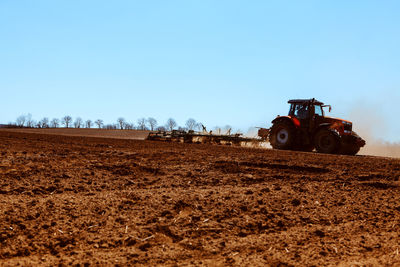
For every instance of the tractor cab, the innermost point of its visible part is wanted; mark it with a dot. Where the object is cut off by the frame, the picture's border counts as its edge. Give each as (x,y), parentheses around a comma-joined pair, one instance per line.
(305,108)
(307,112)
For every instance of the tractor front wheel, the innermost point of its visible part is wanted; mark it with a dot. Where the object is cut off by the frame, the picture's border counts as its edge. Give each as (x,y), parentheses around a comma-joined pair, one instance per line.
(351,144)
(349,149)
(327,141)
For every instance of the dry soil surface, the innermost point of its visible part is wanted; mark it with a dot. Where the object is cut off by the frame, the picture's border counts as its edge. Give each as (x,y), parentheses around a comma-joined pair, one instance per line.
(84,132)
(97,201)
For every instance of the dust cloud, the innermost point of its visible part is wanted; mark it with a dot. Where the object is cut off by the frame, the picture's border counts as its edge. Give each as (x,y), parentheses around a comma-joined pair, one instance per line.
(369,123)
(252,132)
(381,148)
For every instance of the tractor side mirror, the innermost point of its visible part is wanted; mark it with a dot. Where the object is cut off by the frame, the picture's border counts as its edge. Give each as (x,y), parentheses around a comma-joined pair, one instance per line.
(329,107)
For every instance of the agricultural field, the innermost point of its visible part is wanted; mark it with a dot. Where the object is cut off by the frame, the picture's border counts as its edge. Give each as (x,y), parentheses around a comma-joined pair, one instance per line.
(94,201)
(84,132)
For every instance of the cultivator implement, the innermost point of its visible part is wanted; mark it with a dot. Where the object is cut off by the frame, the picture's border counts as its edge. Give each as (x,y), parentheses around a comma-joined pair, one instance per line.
(202,138)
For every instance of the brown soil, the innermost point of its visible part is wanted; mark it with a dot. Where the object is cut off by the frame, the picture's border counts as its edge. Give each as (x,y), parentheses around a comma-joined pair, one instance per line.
(104,133)
(69,200)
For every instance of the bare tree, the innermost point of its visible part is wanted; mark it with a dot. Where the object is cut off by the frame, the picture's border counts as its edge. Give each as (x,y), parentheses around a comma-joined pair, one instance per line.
(66,120)
(88,124)
(217,129)
(21,121)
(142,124)
(152,123)
(44,123)
(99,123)
(129,126)
(171,124)
(111,126)
(29,121)
(78,122)
(191,124)
(199,126)
(121,122)
(55,123)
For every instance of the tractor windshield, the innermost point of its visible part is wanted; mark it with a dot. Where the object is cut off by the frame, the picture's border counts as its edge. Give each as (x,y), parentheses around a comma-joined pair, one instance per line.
(299,110)
(319,111)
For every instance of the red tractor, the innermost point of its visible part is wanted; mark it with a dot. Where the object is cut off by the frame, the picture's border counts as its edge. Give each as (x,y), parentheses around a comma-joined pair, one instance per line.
(306,127)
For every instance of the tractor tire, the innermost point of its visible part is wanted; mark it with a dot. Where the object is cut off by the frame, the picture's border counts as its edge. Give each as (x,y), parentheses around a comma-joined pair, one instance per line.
(327,141)
(281,135)
(350,146)
(349,149)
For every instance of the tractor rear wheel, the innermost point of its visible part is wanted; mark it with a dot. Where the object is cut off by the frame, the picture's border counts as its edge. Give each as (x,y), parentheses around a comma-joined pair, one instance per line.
(327,141)
(281,135)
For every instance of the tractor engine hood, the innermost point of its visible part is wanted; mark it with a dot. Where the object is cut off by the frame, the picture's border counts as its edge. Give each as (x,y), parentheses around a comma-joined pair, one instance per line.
(340,124)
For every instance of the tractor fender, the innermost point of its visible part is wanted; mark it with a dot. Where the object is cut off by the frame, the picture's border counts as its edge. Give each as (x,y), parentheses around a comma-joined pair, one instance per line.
(321,126)
(332,126)
(326,126)
(289,119)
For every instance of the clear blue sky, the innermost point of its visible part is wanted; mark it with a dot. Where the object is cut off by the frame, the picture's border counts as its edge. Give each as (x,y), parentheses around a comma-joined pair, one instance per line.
(220,62)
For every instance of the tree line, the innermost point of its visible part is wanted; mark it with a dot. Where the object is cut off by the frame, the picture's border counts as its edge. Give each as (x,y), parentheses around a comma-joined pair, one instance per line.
(142,123)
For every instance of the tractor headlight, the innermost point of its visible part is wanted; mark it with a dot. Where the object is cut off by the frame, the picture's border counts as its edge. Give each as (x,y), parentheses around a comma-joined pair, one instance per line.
(347,126)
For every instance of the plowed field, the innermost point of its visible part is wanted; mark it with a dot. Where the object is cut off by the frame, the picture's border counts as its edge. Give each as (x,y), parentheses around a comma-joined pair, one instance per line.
(84,132)
(84,200)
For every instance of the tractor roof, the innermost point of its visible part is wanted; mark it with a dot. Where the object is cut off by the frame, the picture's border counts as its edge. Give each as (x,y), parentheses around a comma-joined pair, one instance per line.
(305,101)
